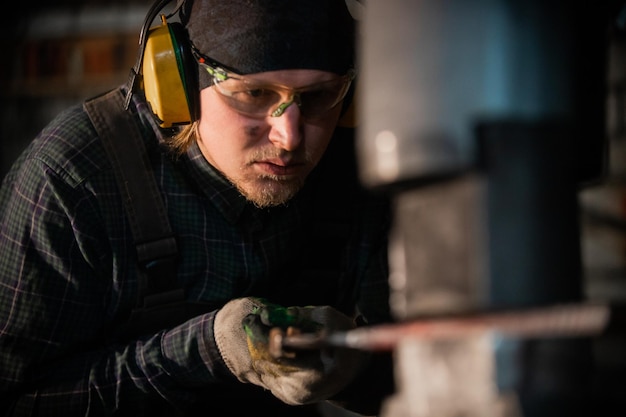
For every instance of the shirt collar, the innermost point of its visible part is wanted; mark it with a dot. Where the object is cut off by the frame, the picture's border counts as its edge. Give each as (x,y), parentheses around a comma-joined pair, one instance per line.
(219,190)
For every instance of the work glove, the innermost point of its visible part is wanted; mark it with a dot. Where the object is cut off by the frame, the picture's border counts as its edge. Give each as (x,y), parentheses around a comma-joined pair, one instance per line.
(242,328)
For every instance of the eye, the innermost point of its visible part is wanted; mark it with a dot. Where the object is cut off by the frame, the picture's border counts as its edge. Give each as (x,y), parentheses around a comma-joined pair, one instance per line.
(256,93)
(258,96)
(319,99)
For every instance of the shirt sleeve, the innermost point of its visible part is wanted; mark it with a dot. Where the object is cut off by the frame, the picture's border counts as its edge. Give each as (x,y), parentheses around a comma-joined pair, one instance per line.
(56,300)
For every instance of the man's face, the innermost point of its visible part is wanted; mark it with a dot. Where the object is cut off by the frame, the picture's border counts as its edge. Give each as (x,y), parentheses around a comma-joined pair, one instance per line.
(267,158)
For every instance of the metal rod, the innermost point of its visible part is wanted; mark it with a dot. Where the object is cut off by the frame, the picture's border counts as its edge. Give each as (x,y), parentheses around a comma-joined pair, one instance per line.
(554,321)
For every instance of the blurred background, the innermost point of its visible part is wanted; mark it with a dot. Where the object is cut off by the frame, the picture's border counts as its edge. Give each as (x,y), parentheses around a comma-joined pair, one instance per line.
(59,53)
(62,52)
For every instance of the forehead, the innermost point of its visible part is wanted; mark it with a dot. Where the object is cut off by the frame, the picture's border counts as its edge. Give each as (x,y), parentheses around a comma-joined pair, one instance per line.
(292,77)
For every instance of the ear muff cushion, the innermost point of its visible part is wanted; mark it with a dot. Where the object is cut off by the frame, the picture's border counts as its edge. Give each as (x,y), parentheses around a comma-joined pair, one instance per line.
(170,76)
(187,67)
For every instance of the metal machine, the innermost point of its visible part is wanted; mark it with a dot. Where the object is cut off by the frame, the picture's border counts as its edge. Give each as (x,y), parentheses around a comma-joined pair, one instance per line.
(482,119)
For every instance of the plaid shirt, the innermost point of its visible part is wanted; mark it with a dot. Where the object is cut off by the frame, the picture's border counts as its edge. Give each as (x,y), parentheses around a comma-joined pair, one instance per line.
(68,267)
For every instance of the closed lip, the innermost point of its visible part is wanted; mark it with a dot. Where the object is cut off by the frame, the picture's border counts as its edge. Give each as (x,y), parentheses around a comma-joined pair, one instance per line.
(278,166)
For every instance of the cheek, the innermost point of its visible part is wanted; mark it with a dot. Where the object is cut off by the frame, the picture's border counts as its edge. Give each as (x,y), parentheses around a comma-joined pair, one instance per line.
(212,109)
(322,131)
(217,117)
(224,134)
(216,125)
(316,143)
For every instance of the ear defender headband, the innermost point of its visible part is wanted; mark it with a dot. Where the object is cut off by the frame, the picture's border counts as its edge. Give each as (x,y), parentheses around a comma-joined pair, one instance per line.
(165,70)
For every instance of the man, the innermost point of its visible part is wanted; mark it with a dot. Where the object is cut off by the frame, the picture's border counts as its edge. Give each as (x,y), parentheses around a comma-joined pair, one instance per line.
(263,199)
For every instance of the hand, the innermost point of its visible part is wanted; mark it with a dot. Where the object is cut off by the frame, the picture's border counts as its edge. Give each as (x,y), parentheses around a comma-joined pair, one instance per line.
(242,330)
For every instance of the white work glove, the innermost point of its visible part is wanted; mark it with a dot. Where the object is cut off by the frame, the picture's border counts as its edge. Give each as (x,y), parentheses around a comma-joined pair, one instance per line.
(241,332)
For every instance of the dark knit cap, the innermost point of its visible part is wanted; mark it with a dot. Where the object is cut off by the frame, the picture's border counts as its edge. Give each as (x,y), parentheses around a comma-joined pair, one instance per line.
(250,36)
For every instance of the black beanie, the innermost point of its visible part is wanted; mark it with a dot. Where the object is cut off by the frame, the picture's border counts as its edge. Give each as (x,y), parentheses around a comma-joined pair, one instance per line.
(250,36)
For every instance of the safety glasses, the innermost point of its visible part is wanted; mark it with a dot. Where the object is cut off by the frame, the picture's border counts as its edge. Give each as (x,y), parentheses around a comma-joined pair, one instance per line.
(258,99)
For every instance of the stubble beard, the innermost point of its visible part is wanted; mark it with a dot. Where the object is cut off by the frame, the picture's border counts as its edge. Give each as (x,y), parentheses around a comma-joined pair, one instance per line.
(269,191)
(266,190)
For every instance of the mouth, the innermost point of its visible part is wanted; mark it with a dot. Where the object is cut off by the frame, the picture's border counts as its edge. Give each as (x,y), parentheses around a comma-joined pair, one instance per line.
(280,168)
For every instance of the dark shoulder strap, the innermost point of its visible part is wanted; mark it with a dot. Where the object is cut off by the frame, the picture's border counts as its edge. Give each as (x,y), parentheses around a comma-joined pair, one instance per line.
(155,243)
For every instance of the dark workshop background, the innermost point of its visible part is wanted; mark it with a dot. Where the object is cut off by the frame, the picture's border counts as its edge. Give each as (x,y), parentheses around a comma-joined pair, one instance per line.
(64,51)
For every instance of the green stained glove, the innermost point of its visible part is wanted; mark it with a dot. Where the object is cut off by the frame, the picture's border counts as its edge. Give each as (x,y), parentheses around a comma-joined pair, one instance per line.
(242,329)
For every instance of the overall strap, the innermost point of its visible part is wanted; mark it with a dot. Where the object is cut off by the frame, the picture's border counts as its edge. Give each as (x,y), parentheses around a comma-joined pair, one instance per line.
(154,240)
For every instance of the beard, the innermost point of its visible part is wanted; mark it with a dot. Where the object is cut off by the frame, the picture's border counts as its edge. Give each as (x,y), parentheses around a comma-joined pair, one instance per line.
(269,190)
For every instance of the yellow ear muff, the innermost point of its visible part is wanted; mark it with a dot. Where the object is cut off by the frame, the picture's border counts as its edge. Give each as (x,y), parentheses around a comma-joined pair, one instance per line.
(167,80)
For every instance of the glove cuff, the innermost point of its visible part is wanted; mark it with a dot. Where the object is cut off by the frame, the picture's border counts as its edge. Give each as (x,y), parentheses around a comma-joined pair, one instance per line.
(230,336)
(211,354)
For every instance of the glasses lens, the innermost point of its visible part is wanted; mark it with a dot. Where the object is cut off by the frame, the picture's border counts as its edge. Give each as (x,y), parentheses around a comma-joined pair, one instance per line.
(247,97)
(261,100)
(319,99)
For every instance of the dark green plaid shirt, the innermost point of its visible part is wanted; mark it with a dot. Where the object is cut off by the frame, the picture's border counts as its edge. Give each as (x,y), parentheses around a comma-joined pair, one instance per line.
(68,271)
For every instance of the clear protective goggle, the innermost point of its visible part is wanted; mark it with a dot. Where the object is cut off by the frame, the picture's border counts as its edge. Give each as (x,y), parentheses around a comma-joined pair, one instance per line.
(259,99)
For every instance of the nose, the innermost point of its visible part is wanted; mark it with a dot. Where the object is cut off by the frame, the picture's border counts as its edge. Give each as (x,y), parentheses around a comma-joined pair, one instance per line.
(285,132)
